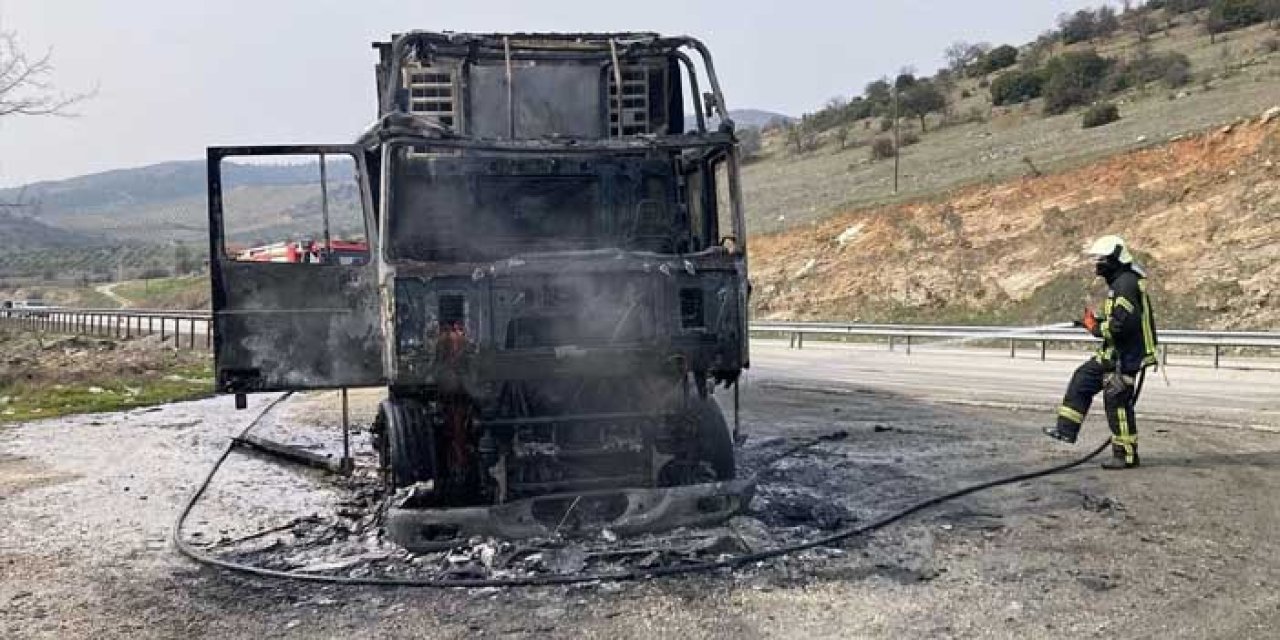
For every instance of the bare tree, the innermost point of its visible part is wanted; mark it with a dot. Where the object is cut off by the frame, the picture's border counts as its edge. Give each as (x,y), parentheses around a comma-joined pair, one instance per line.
(962,54)
(25,86)
(842,137)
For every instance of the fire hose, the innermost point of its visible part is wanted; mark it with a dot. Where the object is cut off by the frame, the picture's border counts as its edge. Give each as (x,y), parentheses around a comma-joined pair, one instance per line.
(730,562)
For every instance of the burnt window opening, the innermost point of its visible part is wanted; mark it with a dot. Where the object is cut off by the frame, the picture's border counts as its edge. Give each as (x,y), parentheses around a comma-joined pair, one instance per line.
(431,93)
(452,310)
(319,222)
(691,310)
(629,112)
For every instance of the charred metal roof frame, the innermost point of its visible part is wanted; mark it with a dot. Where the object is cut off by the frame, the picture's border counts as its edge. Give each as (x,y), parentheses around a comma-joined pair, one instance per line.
(533,46)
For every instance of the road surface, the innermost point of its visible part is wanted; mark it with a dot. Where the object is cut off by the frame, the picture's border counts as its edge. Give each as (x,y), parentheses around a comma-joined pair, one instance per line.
(1183,547)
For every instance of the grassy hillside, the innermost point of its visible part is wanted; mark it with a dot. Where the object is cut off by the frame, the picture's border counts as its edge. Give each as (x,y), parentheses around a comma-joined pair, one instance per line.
(168,203)
(1235,76)
(18,231)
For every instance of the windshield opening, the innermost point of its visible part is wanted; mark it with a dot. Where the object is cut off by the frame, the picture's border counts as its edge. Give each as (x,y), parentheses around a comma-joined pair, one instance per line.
(477,206)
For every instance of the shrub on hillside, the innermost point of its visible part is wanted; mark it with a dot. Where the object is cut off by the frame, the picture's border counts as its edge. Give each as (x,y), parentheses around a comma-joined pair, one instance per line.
(974,114)
(1016,86)
(921,99)
(750,142)
(1228,15)
(1178,6)
(1086,25)
(1001,57)
(1178,74)
(1073,79)
(1173,69)
(1076,27)
(801,136)
(881,148)
(1100,114)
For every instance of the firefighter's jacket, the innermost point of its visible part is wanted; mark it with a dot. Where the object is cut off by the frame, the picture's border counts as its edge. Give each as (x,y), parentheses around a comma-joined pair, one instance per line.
(1128,325)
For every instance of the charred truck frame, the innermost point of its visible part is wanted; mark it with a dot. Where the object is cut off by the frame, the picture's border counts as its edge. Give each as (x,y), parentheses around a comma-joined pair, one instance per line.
(557,281)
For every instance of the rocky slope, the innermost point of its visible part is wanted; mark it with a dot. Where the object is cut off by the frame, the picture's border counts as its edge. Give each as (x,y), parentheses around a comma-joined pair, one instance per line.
(1202,211)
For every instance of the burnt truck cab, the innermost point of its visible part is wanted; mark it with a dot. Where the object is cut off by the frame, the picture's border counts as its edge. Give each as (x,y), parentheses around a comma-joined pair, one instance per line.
(557,281)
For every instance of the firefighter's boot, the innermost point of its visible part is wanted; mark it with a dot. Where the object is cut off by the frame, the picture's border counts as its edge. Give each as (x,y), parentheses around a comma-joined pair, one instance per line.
(1122,457)
(1058,433)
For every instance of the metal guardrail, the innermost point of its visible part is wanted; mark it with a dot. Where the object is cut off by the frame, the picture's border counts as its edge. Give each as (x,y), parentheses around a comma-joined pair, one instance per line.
(117,323)
(1043,336)
(128,323)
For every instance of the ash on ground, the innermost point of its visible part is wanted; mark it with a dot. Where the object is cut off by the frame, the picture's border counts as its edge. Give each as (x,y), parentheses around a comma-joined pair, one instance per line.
(797,499)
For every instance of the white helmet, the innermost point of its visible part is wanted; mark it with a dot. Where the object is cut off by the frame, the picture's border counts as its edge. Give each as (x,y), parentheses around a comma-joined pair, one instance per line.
(1114,247)
(1111,246)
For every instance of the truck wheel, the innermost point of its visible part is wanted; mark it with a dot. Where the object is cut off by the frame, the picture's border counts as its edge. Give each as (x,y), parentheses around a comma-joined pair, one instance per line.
(713,459)
(715,441)
(405,446)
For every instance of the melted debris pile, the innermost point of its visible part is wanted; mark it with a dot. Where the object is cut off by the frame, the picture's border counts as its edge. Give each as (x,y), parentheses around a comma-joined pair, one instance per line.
(795,501)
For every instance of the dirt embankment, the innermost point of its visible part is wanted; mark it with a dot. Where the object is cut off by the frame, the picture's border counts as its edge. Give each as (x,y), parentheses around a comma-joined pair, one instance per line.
(1203,213)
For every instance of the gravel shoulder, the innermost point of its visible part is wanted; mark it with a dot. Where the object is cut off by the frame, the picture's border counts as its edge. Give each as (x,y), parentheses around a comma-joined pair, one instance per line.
(1183,547)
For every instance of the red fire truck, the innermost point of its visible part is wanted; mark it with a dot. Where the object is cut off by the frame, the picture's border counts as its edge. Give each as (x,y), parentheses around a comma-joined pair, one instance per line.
(350,252)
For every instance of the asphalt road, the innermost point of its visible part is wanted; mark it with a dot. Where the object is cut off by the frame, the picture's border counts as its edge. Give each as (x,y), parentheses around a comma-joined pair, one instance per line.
(1183,547)
(1195,391)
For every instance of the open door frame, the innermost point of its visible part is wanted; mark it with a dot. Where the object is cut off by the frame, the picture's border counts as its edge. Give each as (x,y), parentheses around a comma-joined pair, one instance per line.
(293,326)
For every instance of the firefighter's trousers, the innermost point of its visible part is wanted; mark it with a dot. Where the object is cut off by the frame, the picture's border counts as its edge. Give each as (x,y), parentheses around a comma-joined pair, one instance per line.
(1117,398)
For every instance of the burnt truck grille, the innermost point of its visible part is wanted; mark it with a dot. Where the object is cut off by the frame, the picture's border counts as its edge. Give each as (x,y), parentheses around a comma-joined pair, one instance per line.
(585,311)
(452,308)
(692,315)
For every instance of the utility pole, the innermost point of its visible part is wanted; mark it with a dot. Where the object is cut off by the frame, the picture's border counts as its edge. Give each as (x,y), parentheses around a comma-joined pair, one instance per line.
(896,144)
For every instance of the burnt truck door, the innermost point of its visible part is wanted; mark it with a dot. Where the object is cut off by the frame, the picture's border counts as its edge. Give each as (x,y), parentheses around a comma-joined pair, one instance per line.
(295,296)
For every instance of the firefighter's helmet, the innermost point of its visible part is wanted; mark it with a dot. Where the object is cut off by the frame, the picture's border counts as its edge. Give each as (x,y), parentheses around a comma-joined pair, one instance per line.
(1112,247)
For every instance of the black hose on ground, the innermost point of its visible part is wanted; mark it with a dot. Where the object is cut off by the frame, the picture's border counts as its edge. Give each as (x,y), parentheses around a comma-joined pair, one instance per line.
(545,580)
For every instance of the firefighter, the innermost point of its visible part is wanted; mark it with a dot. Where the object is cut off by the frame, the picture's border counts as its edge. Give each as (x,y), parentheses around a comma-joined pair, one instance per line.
(1128,331)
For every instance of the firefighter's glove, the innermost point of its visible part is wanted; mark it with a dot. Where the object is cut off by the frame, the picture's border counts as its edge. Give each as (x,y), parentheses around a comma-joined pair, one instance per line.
(1090,322)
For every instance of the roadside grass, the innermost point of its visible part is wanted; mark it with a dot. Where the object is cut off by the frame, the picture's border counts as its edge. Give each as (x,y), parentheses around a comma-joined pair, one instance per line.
(23,401)
(43,376)
(62,295)
(184,292)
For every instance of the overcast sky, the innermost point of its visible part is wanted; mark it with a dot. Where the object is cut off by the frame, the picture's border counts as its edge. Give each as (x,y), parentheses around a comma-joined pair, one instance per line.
(176,76)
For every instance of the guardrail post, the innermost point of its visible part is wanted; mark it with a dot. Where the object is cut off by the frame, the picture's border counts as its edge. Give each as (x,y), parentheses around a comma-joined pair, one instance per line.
(208,334)
(128,327)
(1013,347)
(191,344)
(908,344)
(1164,355)
(891,343)
(791,340)
(1216,354)
(1044,346)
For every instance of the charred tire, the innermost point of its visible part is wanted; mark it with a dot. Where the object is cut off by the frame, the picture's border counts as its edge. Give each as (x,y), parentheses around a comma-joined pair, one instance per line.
(406,445)
(715,441)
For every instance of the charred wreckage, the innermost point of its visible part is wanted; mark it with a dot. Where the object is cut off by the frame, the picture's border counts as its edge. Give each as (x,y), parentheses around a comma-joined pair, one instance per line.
(556,282)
